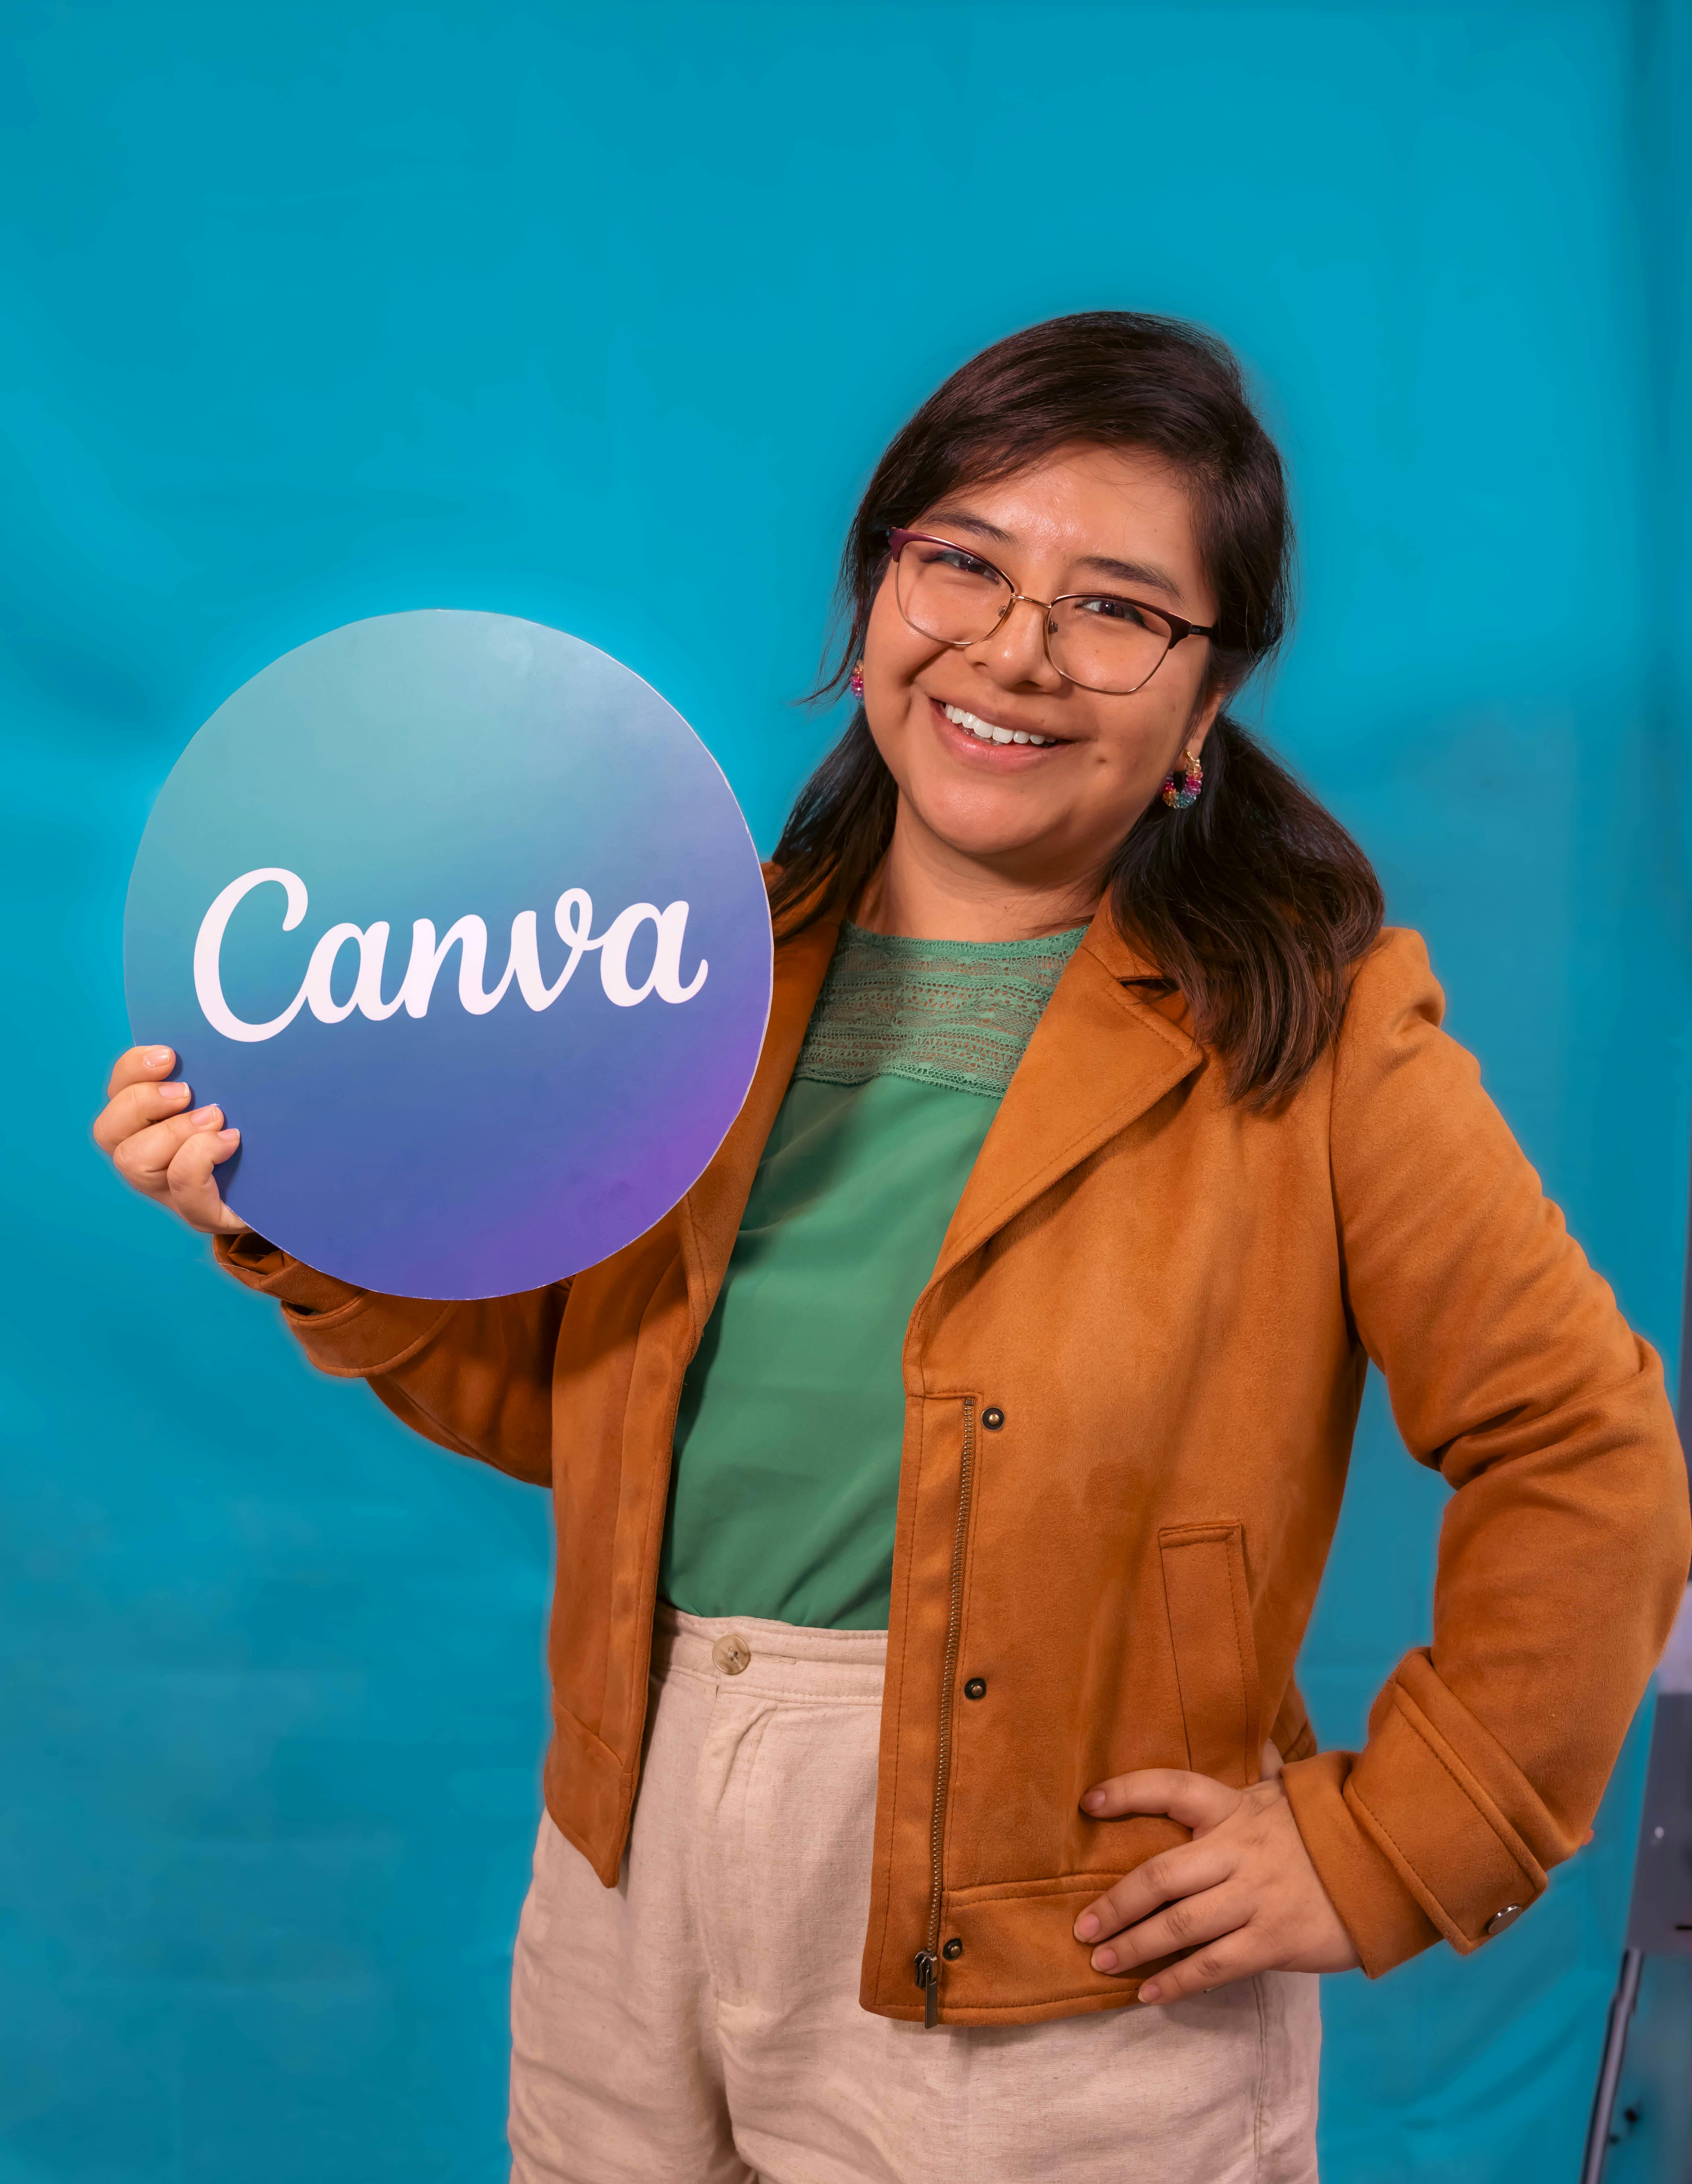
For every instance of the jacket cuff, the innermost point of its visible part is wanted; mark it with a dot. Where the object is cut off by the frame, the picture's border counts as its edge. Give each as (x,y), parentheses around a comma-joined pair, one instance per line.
(259,1265)
(351,1333)
(1386,1923)
(1432,1830)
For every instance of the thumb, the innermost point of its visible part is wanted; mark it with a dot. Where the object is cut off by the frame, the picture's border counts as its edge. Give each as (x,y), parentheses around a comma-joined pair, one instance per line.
(1195,1801)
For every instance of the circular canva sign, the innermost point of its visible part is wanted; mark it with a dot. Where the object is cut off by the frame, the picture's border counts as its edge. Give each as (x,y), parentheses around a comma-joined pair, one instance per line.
(461,924)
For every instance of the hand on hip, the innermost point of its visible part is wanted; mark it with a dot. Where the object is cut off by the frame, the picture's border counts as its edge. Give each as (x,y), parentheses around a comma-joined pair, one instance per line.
(1242,1897)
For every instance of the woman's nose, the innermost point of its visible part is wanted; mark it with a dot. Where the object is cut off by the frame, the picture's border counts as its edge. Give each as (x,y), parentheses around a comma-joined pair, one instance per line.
(1017,651)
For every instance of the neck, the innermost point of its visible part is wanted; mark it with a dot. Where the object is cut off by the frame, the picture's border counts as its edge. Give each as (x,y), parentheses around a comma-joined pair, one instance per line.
(925,890)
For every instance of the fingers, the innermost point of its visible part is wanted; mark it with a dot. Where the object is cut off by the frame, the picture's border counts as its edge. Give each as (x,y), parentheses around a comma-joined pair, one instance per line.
(192,1191)
(1243,1897)
(173,1161)
(1237,1956)
(158,1146)
(133,1107)
(140,1064)
(143,1158)
(1273,1766)
(1194,1800)
(1182,1872)
(1178,1927)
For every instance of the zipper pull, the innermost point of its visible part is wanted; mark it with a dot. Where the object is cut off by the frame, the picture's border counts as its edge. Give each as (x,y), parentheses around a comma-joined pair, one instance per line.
(927,1970)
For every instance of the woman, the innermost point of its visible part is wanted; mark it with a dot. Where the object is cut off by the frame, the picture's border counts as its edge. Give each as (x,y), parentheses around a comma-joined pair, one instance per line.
(937,1703)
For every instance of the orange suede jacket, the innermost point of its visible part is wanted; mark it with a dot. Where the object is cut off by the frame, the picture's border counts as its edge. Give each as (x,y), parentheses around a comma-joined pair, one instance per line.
(1131,1387)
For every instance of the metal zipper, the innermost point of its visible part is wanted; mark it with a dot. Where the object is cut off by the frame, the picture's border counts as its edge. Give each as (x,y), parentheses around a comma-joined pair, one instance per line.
(928,1962)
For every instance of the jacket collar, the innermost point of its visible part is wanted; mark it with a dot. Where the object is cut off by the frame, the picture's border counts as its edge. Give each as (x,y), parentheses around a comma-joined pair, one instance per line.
(1101,1055)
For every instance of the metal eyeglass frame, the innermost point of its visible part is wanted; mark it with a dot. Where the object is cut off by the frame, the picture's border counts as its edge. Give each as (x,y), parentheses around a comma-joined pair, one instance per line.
(1180,627)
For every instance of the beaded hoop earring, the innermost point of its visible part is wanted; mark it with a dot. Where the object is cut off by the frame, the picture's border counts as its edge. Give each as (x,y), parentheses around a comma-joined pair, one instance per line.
(854,681)
(1182,798)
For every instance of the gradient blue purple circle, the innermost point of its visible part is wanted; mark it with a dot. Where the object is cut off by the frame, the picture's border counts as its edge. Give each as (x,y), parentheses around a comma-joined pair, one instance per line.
(432,765)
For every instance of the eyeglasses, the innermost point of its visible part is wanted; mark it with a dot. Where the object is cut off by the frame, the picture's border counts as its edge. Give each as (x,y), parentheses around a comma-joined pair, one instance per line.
(1099,640)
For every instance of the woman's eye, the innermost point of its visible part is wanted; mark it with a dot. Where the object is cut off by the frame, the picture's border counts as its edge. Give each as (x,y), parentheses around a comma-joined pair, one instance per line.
(955,560)
(1110,610)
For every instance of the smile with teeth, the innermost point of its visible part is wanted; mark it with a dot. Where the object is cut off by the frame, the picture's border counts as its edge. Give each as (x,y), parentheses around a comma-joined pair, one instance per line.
(985,733)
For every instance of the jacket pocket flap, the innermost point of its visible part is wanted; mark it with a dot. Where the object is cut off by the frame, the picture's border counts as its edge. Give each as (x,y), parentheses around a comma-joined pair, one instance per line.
(1216,1657)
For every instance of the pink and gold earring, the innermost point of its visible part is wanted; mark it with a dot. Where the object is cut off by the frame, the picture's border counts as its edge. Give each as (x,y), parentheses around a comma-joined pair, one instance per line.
(1181,799)
(854,681)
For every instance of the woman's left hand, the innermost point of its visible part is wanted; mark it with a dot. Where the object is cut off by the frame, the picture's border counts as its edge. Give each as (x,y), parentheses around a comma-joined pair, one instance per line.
(1242,1896)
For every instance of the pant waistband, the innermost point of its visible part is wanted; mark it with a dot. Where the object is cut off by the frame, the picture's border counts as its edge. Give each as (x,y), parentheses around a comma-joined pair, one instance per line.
(770,1660)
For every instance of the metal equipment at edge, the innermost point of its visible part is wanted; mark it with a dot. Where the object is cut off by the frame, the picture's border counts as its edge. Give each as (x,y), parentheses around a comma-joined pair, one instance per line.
(1659,1914)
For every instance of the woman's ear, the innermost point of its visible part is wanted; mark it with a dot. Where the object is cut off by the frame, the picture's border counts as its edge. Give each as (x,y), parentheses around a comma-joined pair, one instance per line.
(1203,719)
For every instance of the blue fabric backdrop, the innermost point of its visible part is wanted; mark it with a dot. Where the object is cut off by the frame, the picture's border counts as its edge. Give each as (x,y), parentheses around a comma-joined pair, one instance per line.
(600,314)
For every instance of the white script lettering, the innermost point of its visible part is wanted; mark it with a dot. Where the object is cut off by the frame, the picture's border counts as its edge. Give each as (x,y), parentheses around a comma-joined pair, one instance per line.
(665,977)
(572,917)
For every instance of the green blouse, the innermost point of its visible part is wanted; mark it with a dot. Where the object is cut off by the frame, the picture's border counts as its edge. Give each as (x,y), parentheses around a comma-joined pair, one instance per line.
(786,1478)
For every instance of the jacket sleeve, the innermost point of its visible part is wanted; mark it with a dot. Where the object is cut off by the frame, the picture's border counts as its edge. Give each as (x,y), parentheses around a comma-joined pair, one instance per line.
(477,1377)
(1564,1549)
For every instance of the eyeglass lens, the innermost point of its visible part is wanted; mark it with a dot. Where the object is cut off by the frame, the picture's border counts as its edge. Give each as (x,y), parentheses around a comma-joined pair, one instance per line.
(1103,642)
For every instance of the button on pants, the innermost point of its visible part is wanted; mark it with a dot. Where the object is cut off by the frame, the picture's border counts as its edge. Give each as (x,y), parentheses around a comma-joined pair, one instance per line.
(698,2024)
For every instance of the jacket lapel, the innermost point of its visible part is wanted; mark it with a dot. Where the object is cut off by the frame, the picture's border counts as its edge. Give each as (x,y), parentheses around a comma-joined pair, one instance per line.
(1101,1055)
(712,1210)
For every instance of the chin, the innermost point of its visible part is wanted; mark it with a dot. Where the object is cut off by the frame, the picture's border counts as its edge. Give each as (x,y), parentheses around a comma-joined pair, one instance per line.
(981,827)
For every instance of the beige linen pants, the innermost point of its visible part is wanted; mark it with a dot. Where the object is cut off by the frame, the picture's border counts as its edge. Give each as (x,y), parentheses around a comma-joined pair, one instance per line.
(699,2023)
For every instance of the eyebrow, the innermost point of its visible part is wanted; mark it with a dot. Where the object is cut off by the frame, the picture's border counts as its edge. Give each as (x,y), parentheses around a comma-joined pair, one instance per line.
(1134,572)
(1130,572)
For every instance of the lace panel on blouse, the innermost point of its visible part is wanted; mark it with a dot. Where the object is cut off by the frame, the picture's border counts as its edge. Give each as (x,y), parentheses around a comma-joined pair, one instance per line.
(956,1013)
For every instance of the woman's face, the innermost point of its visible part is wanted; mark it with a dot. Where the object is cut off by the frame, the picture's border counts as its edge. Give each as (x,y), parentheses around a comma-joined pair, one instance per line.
(1087,519)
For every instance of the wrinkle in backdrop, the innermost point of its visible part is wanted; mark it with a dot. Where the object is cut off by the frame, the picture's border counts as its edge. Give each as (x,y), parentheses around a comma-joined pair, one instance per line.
(601,316)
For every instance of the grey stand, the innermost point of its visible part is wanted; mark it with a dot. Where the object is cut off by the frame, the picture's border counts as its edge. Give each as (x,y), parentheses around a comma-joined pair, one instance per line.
(1660,1917)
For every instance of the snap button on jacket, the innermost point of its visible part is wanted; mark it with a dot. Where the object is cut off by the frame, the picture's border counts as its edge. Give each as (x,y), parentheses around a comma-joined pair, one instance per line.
(1172,1302)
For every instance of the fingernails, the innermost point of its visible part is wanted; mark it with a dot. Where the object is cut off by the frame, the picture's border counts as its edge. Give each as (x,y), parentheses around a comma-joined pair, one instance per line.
(1086,1926)
(1151,1992)
(158,1058)
(1095,1801)
(174,1091)
(202,1116)
(230,1137)
(1104,1960)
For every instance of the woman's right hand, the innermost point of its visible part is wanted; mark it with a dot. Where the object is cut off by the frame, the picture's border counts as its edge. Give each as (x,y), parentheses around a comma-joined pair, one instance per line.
(160,1147)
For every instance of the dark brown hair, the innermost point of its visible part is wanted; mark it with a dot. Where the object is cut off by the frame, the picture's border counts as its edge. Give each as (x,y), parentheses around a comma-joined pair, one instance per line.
(1255,902)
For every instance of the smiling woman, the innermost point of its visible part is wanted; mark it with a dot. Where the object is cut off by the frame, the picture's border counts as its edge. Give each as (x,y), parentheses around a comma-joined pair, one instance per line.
(1099,558)
(943,1488)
